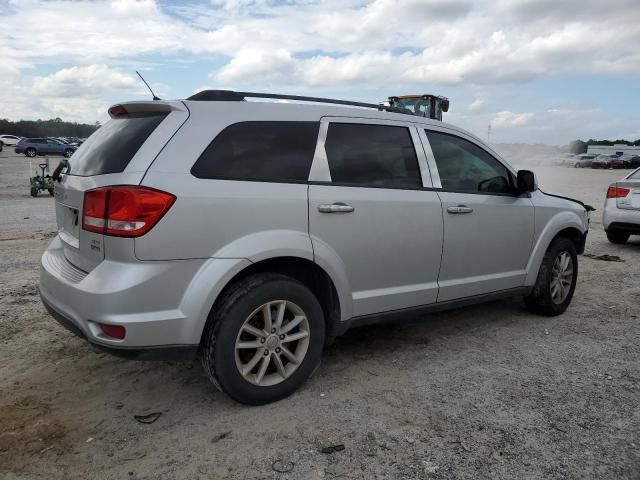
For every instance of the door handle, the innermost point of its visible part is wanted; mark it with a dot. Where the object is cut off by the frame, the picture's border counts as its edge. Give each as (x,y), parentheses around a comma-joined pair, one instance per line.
(337,207)
(460,209)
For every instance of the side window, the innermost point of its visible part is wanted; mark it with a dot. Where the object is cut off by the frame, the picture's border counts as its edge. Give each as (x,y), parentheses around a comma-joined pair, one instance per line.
(372,155)
(465,167)
(260,151)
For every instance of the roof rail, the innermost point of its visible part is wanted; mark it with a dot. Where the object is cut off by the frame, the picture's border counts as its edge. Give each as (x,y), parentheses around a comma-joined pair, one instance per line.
(232,96)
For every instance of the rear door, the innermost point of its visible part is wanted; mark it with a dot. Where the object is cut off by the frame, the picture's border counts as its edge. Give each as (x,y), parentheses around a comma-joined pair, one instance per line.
(118,153)
(488,227)
(372,210)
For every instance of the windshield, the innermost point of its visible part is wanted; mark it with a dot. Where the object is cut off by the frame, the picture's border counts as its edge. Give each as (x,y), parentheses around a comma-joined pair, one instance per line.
(112,146)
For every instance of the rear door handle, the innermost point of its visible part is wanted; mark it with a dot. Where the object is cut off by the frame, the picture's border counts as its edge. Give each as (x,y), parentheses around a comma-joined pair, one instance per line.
(459,209)
(337,207)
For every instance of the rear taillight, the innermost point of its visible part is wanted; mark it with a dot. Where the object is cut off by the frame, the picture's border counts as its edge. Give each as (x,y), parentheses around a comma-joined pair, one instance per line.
(617,192)
(124,211)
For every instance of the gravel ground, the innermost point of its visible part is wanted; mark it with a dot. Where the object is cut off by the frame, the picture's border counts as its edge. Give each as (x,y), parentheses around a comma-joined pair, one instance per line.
(489,391)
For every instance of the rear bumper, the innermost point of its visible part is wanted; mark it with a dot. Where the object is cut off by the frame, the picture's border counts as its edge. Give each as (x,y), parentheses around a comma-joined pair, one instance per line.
(633,228)
(160,303)
(176,353)
(614,218)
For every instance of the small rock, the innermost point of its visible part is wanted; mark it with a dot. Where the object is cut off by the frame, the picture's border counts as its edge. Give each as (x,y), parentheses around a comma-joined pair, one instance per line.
(429,467)
(410,440)
(90,439)
(220,436)
(322,394)
(546,332)
(329,446)
(371,447)
(609,377)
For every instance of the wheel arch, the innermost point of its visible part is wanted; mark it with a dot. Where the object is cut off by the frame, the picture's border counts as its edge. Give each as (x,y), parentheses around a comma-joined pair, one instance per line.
(302,269)
(566,225)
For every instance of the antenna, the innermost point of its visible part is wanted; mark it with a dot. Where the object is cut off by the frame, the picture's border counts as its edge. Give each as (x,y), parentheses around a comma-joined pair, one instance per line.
(145,82)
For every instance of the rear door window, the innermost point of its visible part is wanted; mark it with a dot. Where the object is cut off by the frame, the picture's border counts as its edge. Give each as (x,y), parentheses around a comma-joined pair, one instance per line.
(372,156)
(260,152)
(113,145)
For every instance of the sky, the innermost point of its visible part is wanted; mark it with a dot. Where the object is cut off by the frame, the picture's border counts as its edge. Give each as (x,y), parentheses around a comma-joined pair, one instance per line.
(537,71)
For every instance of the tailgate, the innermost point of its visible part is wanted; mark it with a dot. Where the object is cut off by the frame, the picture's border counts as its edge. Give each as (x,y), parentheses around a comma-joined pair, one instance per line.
(118,153)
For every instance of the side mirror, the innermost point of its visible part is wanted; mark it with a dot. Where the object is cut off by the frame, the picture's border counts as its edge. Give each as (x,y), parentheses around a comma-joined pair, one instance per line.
(527,181)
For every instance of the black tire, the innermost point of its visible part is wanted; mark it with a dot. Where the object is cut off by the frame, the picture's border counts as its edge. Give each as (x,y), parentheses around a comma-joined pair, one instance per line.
(228,316)
(68,152)
(34,192)
(540,300)
(577,165)
(618,236)
(51,191)
(30,152)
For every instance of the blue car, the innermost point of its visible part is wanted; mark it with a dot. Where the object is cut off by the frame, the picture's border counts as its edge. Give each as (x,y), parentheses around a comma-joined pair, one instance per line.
(44,146)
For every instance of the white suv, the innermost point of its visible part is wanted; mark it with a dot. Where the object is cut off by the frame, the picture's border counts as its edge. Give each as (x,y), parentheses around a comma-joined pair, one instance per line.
(251,233)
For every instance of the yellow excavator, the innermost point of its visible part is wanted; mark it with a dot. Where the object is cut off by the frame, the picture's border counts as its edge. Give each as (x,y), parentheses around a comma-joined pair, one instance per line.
(430,106)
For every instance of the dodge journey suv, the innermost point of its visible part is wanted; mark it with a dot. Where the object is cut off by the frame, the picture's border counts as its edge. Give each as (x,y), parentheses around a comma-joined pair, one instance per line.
(251,233)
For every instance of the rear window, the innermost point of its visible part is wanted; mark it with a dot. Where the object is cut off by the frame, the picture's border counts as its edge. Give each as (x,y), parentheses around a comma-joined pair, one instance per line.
(260,152)
(112,146)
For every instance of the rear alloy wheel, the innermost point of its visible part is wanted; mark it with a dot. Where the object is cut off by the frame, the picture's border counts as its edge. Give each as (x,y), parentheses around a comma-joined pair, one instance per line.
(263,338)
(556,280)
(577,165)
(618,236)
(30,152)
(68,152)
(272,343)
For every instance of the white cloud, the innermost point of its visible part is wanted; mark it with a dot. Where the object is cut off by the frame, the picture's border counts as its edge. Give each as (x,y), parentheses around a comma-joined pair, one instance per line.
(81,81)
(347,45)
(511,119)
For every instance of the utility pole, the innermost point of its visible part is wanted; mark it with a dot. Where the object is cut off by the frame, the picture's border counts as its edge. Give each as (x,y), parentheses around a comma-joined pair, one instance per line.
(489,133)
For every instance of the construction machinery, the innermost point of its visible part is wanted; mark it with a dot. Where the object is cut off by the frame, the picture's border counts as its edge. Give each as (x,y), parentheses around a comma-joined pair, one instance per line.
(427,105)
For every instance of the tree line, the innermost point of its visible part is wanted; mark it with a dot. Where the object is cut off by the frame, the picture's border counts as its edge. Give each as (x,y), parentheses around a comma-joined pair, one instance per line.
(54,127)
(578,146)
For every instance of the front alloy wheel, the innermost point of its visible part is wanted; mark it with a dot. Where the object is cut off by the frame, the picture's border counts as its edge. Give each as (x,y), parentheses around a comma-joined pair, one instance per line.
(557,278)
(561,277)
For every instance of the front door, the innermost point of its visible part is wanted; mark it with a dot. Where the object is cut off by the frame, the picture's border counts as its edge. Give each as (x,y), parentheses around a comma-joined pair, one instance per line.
(488,227)
(370,213)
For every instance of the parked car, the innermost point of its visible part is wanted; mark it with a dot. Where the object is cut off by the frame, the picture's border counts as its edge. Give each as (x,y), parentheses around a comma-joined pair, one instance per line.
(44,146)
(621,214)
(9,140)
(583,161)
(602,161)
(251,233)
(564,159)
(630,161)
(616,162)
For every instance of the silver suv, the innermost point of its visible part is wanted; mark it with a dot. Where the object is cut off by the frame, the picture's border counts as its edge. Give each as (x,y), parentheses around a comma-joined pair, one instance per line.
(252,233)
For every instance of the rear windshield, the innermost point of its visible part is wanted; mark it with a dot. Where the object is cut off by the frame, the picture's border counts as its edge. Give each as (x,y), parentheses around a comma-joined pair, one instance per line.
(112,146)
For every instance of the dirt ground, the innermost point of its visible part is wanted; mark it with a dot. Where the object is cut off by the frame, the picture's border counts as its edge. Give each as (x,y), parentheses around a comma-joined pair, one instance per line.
(489,391)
